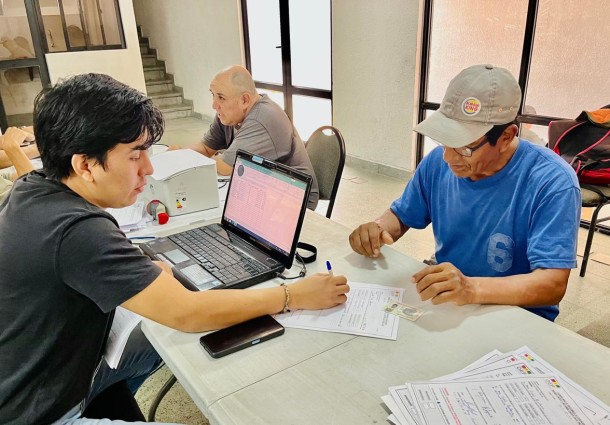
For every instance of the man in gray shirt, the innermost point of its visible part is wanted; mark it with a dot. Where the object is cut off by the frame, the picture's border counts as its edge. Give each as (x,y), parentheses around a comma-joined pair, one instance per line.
(253,122)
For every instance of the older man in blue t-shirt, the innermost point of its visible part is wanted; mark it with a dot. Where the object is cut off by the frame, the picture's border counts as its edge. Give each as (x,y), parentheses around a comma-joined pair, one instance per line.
(505,212)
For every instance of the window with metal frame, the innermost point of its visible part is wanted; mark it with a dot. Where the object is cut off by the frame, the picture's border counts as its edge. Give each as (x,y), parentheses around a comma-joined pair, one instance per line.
(554,49)
(288,61)
(77,25)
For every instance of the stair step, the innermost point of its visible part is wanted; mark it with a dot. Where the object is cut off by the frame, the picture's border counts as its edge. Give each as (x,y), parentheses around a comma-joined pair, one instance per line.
(165,94)
(171,112)
(154,68)
(152,73)
(181,107)
(166,98)
(159,86)
(149,61)
(162,81)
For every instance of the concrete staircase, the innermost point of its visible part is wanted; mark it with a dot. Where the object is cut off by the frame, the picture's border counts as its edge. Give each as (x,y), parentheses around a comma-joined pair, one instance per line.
(160,85)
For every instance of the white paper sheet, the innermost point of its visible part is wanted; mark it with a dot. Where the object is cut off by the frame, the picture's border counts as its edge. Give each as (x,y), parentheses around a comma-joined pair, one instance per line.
(123,324)
(362,314)
(595,410)
(496,369)
(396,417)
(524,362)
(401,400)
(532,400)
(130,216)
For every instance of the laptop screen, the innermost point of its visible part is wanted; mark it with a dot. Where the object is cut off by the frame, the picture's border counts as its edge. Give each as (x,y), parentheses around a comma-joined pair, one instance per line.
(267,201)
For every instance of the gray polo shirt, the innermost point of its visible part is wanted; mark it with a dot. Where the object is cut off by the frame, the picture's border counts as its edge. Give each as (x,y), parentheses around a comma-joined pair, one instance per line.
(267,132)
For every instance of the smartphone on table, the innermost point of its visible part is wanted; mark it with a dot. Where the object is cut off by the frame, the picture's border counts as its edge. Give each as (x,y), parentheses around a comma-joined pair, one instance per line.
(240,336)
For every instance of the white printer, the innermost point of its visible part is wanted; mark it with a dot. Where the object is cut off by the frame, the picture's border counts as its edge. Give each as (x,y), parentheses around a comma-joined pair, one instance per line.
(184,181)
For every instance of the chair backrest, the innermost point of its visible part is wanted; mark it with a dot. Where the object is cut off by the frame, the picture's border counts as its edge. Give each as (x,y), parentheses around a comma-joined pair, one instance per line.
(326,150)
(76,36)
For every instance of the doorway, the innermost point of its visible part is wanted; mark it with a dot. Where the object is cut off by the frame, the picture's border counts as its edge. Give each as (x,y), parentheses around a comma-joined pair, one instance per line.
(288,52)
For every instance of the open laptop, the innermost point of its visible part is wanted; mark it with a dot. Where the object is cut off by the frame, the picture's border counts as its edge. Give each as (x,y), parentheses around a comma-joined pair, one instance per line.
(257,236)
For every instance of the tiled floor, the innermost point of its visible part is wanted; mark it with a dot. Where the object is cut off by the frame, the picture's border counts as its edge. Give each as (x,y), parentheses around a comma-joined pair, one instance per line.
(587,299)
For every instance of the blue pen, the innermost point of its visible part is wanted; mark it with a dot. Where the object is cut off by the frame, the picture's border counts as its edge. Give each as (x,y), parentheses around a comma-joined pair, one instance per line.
(142,237)
(329,268)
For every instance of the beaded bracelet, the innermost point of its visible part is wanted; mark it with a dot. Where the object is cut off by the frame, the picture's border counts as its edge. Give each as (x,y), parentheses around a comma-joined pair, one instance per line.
(287,301)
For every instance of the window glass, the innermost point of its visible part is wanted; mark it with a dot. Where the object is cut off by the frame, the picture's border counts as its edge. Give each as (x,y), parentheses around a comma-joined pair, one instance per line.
(467,32)
(310,113)
(429,144)
(110,21)
(88,23)
(276,96)
(15,37)
(18,89)
(92,20)
(310,43)
(74,25)
(570,60)
(265,40)
(53,28)
(537,134)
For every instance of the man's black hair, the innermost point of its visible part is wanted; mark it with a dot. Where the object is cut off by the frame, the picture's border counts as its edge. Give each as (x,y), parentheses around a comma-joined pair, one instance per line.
(90,114)
(496,131)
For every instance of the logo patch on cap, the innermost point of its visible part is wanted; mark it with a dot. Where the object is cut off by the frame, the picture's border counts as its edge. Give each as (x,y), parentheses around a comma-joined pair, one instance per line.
(471,106)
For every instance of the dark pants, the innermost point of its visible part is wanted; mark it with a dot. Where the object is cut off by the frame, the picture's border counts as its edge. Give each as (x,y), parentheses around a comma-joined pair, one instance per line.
(138,362)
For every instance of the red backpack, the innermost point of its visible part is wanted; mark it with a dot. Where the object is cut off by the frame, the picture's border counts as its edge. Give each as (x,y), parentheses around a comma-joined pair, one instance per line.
(585,144)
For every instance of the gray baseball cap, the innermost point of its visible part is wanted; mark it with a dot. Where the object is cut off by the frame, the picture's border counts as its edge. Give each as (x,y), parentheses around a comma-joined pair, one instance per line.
(478,98)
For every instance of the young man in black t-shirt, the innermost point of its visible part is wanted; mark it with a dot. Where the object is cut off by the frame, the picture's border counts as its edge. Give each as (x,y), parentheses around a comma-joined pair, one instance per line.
(66,265)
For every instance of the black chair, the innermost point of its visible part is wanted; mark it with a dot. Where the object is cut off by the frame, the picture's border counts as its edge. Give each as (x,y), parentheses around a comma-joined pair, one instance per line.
(593,196)
(326,150)
(152,412)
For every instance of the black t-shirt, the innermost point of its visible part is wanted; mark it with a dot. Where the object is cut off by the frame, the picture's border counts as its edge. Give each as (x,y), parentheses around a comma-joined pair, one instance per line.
(64,267)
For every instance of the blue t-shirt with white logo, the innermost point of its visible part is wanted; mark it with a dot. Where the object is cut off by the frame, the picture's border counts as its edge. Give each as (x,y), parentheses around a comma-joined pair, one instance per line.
(522,218)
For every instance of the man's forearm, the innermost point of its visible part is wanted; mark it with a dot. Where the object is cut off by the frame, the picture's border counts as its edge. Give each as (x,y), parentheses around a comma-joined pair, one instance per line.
(13,154)
(4,161)
(389,222)
(222,168)
(19,159)
(538,288)
(203,149)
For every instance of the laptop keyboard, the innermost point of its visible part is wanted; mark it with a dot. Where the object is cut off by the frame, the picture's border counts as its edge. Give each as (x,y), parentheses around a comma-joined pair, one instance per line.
(217,255)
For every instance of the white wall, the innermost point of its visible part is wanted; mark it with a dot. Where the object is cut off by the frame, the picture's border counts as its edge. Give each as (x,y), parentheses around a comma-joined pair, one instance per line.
(196,38)
(124,65)
(374,78)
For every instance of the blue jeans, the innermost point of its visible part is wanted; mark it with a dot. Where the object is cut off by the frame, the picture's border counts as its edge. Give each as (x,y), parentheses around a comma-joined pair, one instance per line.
(138,362)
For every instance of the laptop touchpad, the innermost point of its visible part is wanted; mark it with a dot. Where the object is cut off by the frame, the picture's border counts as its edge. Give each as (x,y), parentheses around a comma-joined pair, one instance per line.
(176,256)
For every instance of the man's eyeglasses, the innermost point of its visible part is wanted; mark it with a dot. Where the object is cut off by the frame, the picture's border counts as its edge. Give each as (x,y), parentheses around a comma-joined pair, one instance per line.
(468,151)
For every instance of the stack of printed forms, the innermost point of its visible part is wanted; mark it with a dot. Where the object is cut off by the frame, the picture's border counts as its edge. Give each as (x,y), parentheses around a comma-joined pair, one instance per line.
(517,387)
